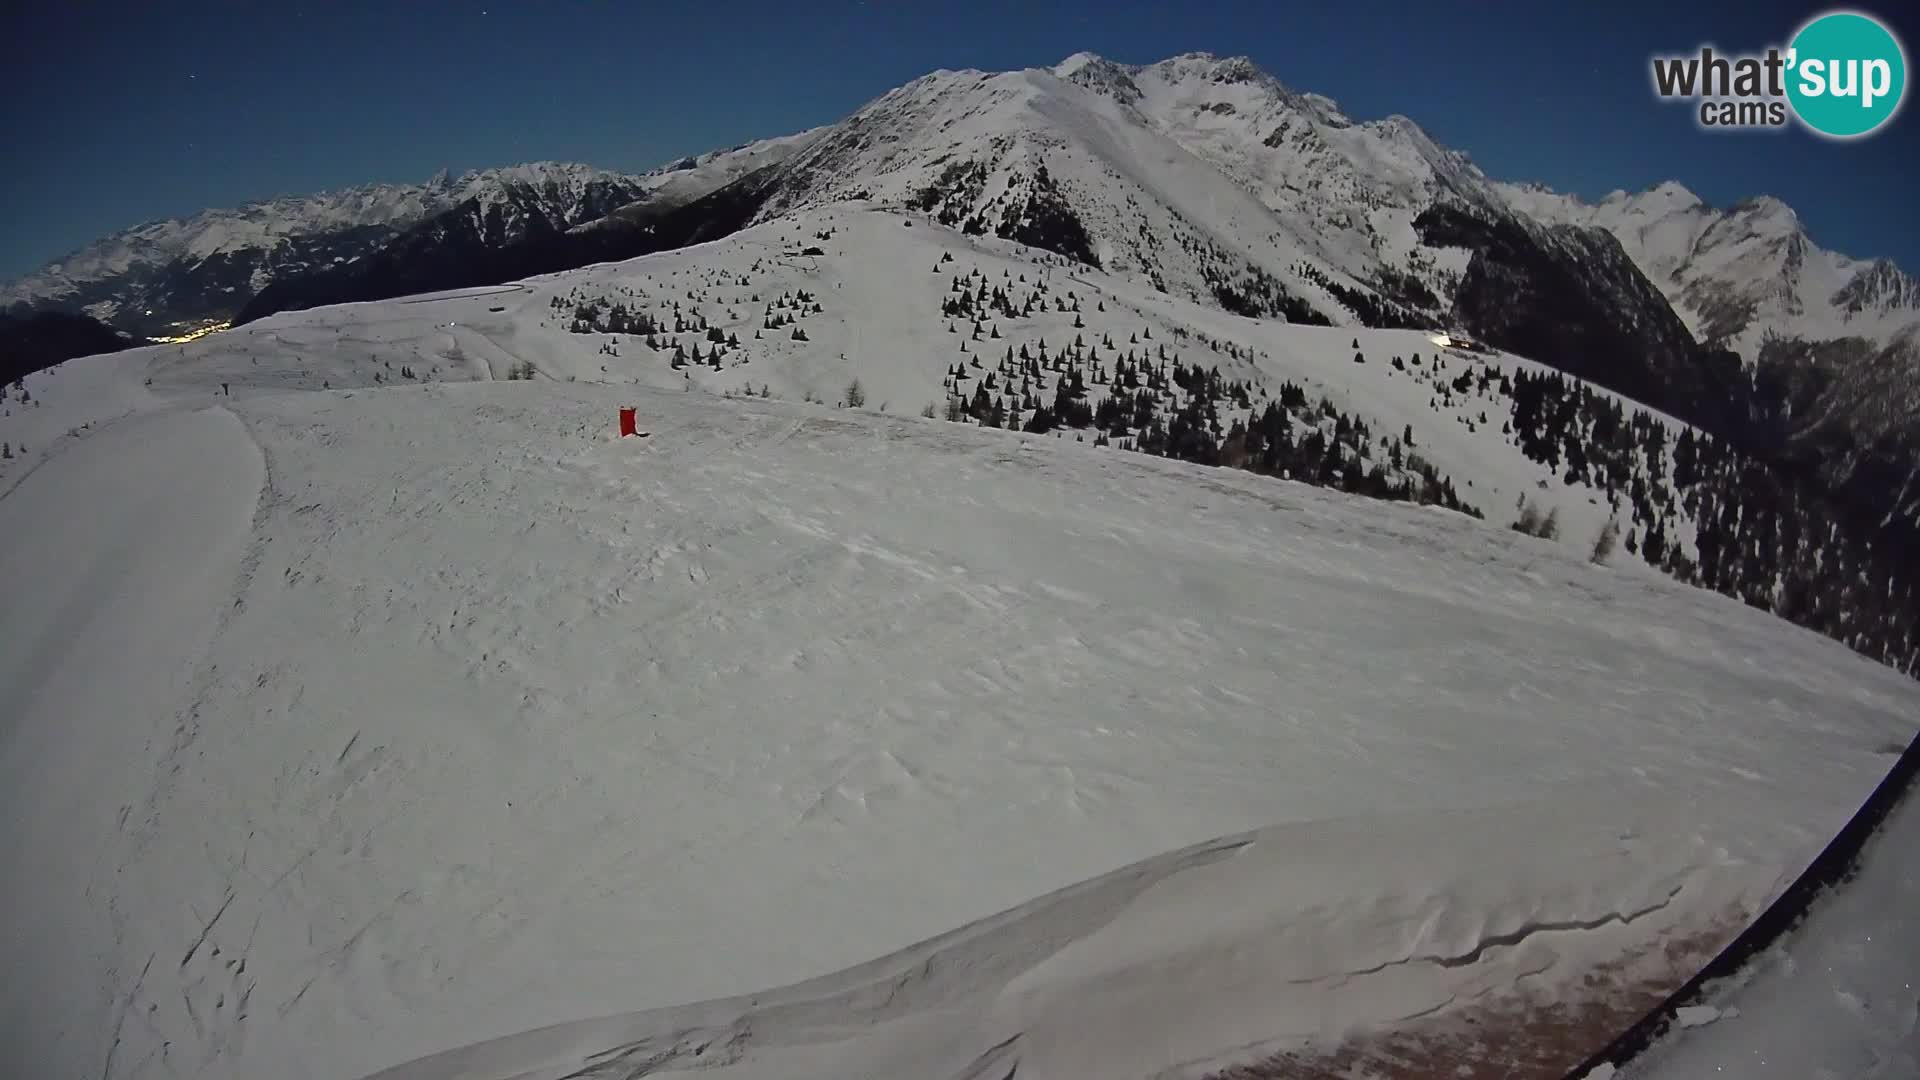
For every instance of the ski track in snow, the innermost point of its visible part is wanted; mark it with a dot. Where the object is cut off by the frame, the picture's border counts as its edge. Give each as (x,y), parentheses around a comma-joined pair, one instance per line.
(434,714)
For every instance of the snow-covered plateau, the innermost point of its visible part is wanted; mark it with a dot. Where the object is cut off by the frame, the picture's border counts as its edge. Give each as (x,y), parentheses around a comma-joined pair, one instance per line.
(370,705)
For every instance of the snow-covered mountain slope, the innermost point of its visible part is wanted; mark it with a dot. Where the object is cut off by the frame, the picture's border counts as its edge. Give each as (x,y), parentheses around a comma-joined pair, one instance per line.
(930,319)
(1198,174)
(167,276)
(1201,178)
(1836,340)
(689,178)
(439,713)
(1212,180)
(1209,180)
(884,288)
(1324,173)
(1745,273)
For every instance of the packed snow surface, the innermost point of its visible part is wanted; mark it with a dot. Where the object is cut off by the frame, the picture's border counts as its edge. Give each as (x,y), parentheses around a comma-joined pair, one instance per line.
(349,726)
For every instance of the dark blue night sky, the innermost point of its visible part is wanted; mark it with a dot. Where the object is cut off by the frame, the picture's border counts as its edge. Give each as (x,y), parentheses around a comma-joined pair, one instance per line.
(118,113)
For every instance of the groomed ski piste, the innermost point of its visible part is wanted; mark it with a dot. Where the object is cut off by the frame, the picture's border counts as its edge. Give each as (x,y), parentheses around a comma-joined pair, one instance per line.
(423,727)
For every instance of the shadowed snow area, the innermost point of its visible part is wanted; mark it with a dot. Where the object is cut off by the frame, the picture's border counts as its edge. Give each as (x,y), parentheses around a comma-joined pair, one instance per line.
(505,723)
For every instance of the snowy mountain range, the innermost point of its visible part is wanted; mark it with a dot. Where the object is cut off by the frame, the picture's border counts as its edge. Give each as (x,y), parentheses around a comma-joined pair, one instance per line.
(167,276)
(1835,341)
(1743,274)
(1211,179)
(1204,176)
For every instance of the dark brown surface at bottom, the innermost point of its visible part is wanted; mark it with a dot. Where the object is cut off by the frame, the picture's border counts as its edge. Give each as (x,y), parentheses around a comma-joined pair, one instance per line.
(1518,1037)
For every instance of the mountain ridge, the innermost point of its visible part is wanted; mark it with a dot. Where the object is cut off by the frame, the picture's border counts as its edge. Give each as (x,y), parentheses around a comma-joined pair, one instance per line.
(1214,180)
(162,276)
(1744,272)
(1198,100)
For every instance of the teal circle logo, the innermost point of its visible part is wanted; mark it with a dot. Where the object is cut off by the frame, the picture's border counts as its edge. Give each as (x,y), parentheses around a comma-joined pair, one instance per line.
(1846,74)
